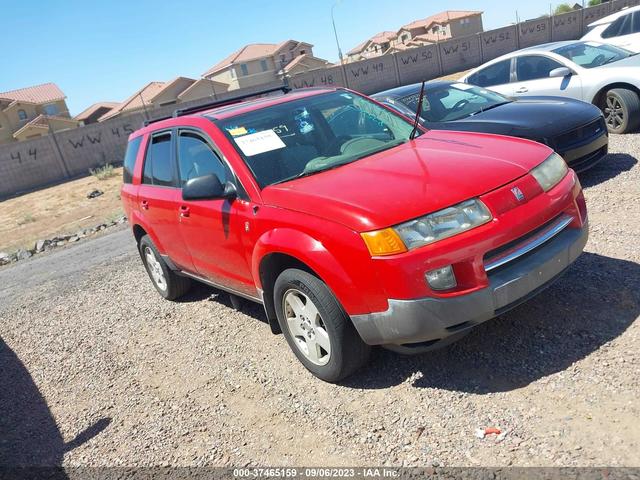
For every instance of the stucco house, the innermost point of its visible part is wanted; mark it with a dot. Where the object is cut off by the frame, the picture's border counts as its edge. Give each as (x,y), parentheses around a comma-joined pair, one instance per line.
(264,64)
(32,112)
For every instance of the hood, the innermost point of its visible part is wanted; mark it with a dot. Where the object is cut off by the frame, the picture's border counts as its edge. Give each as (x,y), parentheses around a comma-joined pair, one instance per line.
(529,117)
(633,61)
(437,170)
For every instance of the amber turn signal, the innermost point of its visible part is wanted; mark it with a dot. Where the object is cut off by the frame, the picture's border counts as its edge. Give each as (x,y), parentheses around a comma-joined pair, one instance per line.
(383,242)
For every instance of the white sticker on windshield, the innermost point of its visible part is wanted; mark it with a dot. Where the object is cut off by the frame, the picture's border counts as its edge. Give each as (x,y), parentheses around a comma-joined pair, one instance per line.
(592,44)
(462,86)
(261,142)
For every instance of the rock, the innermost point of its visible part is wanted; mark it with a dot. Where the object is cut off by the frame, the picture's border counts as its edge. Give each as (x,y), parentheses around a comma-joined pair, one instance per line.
(41,245)
(95,193)
(122,220)
(4,258)
(60,243)
(75,238)
(23,254)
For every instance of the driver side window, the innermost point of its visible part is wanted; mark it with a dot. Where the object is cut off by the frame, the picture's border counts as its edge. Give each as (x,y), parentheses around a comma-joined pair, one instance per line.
(533,67)
(196,159)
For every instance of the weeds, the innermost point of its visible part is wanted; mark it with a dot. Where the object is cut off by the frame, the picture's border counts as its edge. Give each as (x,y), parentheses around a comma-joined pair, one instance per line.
(27,218)
(104,172)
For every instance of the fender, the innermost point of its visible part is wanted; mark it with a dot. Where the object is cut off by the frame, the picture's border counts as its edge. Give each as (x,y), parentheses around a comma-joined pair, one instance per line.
(137,219)
(312,253)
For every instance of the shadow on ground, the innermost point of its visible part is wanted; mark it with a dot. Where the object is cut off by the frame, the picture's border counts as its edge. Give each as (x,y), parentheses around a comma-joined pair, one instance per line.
(29,436)
(592,304)
(609,167)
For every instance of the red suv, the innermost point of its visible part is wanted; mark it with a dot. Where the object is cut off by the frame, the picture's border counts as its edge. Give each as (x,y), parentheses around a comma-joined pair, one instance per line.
(321,205)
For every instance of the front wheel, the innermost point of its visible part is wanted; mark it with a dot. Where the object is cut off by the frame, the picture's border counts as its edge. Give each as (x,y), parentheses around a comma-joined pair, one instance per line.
(316,327)
(621,109)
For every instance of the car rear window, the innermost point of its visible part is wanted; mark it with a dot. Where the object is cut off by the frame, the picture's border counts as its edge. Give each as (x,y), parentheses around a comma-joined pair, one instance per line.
(130,159)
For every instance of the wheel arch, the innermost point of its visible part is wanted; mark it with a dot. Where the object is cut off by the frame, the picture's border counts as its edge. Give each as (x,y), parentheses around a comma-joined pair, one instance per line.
(286,248)
(600,95)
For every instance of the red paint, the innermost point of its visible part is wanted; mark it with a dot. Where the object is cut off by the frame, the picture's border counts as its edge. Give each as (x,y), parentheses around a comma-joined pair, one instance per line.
(318,219)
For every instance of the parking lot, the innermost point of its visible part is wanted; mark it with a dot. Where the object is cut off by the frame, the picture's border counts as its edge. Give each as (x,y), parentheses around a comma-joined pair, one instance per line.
(97,370)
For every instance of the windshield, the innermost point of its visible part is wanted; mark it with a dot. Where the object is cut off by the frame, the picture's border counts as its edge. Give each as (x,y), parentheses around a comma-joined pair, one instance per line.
(590,55)
(307,136)
(453,102)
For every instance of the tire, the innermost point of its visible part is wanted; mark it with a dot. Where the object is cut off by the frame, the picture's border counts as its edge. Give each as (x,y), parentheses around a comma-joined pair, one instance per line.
(320,334)
(621,109)
(169,284)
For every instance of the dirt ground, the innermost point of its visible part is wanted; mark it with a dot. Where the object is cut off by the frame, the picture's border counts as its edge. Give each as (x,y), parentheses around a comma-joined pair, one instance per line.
(59,209)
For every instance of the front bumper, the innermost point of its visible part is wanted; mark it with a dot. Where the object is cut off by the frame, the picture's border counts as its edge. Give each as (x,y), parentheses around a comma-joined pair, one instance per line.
(587,153)
(425,323)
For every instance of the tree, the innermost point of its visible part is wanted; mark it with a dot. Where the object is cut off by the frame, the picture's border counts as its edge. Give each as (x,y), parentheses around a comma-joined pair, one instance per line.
(593,3)
(563,8)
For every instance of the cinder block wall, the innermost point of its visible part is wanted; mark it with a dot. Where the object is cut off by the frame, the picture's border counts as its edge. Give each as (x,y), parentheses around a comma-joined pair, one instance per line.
(36,163)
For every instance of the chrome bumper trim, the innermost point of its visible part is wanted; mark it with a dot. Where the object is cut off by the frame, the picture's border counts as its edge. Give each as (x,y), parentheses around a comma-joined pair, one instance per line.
(531,244)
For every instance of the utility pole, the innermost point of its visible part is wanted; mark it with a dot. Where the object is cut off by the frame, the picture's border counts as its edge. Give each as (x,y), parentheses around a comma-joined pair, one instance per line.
(335,32)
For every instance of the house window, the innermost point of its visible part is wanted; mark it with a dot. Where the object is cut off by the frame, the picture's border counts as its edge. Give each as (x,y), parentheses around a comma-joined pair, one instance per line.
(51,109)
(22,115)
(283,59)
(435,29)
(232,72)
(302,52)
(244,69)
(263,64)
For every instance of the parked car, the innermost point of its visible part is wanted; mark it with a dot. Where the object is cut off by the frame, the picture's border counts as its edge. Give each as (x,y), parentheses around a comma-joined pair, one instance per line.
(380,233)
(607,76)
(621,29)
(574,129)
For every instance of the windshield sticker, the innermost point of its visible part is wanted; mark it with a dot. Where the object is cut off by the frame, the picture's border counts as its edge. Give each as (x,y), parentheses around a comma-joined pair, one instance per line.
(462,86)
(303,121)
(261,142)
(346,95)
(237,131)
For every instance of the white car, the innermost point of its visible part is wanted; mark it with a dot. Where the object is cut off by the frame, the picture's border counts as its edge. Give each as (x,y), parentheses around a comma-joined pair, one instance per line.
(604,75)
(621,29)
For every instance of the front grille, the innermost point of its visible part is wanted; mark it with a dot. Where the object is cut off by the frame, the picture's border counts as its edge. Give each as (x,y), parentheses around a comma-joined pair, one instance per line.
(505,254)
(570,139)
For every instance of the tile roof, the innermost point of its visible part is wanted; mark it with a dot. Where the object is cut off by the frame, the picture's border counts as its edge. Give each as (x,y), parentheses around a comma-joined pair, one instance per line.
(442,17)
(90,110)
(45,93)
(252,51)
(136,101)
(301,59)
(42,121)
(382,37)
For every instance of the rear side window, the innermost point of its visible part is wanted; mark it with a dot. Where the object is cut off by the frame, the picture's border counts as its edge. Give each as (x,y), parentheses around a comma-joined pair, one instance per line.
(158,168)
(533,67)
(496,74)
(636,22)
(622,26)
(130,159)
(196,159)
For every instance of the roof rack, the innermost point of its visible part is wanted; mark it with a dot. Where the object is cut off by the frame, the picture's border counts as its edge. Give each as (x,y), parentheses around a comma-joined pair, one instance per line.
(218,103)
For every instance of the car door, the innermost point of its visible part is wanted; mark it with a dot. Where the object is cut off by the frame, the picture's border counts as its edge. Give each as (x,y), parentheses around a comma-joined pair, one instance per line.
(158,197)
(496,77)
(213,230)
(532,78)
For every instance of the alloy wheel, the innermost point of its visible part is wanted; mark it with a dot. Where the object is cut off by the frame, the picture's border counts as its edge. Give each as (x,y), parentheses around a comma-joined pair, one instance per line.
(306,327)
(614,113)
(155,269)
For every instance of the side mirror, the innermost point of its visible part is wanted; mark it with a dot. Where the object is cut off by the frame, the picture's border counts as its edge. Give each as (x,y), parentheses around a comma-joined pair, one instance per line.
(560,72)
(208,187)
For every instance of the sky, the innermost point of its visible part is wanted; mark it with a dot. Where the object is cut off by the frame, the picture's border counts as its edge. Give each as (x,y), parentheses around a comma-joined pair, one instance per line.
(106,50)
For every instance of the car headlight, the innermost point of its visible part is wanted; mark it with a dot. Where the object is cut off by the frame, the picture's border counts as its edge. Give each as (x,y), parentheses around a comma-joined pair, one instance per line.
(550,172)
(427,229)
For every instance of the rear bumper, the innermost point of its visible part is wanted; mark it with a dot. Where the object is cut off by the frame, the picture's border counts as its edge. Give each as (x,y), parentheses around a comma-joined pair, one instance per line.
(422,323)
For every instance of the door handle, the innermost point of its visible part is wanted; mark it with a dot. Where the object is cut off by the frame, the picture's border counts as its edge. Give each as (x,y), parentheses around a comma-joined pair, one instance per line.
(184,211)
(522,90)
(144,204)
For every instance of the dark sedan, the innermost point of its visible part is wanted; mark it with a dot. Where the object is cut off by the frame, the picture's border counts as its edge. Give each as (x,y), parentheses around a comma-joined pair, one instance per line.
(574,129)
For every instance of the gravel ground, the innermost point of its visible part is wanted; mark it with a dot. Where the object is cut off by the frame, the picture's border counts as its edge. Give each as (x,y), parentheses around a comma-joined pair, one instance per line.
(95,369)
